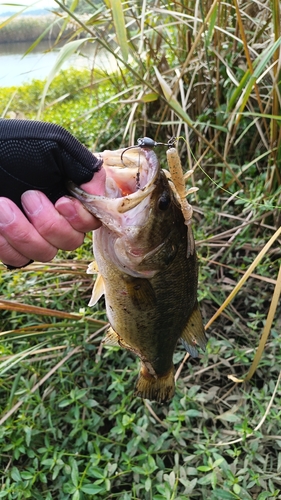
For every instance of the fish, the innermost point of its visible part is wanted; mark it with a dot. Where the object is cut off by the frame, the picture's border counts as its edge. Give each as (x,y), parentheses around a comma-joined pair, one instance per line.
(147,266)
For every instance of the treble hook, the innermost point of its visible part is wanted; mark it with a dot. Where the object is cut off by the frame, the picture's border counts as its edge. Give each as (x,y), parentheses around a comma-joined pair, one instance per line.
(147,142)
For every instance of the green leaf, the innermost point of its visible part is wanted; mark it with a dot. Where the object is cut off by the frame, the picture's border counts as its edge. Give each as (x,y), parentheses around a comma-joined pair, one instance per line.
(171,100)
(224,495)
(147,484)
(91,489)
(27,475)
(212,23)
(236,489)
(28,432)
(120,27)
(7,21)
(229,417)
(99,473)
(138,470)
(76,495)
(204,468)
(262,496)
(38,40)
(15,474)
(74,473)
(251,79)
(206,479)
(67,50)
(193,413)
(150,97)
(151,463)
(66,402)
(218,462)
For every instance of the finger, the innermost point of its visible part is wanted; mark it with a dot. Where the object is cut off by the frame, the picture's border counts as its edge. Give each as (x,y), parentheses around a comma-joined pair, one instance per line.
(77,216)
(97,184)
(20,234)
(10,256)
(73,211)
(49,223)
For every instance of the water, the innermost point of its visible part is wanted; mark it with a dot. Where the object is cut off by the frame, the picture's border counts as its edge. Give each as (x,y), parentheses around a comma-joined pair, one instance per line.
(16,69)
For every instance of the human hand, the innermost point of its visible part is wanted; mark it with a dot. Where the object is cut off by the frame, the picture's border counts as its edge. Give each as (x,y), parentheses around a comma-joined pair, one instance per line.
(33,228)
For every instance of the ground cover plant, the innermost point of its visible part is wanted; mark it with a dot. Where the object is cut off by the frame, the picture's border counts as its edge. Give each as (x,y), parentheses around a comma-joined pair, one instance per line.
(70,427)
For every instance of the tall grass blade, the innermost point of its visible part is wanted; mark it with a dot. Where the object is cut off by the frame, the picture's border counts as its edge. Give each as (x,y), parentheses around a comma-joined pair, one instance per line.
(38,40)
(267,327)
(251,79)
(17,358)
(64,54)
(120,27)
(7,21)
(8,305)
(171,100)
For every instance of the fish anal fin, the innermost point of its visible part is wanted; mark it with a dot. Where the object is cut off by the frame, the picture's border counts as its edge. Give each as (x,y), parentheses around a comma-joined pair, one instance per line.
(194,332)
(111,338)
(98,290)
(153,387)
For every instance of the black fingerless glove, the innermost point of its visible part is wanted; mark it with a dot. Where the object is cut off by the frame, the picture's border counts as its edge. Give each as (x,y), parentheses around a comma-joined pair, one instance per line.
(42,156)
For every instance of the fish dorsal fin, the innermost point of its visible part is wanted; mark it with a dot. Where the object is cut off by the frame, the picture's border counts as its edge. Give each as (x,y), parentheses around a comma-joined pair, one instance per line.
(194,333)
(98,290)
(92,268)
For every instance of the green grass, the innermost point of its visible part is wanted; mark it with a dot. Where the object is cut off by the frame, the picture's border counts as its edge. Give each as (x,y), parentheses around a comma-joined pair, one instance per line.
(75,430)
(80,433)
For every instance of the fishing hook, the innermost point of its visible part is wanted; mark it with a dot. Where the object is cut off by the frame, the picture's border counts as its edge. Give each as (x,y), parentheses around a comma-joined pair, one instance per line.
(147,142)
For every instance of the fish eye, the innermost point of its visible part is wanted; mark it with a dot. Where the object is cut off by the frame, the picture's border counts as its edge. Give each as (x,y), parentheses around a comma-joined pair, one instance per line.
(164,201)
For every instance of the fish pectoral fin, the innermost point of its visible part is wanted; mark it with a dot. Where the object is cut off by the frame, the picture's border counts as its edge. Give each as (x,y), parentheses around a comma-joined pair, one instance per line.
(194,333)
(141,293)
(153,387)
(92,268)
(98,290)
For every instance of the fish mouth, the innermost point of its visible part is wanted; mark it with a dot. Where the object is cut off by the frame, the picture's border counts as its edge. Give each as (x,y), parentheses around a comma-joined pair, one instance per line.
(130,180)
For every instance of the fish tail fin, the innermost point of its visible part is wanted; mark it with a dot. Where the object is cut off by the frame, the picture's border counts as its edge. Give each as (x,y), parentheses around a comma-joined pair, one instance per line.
(155,388)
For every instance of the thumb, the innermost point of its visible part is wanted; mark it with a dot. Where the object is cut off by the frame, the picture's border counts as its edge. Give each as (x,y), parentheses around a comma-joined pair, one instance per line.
(96,184)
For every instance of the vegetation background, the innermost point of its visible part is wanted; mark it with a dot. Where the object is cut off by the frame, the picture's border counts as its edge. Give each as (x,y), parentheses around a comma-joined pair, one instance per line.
(70,428)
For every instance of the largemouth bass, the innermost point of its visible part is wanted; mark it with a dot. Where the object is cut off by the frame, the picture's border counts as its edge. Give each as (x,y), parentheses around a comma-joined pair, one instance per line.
(146,260)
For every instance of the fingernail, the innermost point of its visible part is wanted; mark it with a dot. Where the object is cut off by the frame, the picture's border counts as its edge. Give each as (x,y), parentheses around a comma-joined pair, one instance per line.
(6,213)
(31,202)
(67,208)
